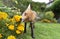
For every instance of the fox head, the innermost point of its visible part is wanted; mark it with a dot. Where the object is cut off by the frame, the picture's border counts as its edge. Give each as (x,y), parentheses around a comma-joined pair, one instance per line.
(28,14)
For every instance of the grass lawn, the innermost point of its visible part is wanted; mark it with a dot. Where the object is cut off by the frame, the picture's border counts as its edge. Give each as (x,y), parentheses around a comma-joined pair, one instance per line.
(44,31)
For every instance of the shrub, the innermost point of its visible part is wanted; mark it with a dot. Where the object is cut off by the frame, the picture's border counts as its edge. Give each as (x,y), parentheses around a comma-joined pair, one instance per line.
(9,27)
(10,11)
(49,15)
(49,21)
(55,7)
(45,20)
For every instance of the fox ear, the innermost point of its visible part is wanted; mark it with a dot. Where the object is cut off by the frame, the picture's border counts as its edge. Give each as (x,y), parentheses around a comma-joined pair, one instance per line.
(29,7)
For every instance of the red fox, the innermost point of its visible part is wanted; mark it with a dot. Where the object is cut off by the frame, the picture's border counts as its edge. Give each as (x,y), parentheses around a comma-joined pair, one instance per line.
(29,16)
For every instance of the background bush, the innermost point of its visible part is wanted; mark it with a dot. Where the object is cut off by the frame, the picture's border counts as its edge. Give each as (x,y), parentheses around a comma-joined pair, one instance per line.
(22,4)
(48,17)
(55,7)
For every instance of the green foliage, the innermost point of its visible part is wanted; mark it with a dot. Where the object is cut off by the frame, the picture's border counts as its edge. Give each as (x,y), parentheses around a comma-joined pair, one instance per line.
(55,7)
(38,6)
(34,5)
(48,17)
(11,12)
(23,4)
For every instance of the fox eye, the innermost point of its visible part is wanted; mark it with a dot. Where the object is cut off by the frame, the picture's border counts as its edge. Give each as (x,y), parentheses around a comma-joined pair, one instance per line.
(25,14)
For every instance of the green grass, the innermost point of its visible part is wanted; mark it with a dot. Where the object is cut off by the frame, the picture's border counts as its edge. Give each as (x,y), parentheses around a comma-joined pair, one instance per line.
(44,31)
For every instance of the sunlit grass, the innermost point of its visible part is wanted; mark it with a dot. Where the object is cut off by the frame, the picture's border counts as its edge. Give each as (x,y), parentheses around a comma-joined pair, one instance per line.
(44,31)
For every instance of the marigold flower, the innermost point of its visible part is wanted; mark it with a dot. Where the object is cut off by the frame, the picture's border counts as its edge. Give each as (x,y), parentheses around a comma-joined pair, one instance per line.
(11,27)
(18,32)
(0,17)
(20,27)
(0,35)
(17,18)
(3,15)
(11,37)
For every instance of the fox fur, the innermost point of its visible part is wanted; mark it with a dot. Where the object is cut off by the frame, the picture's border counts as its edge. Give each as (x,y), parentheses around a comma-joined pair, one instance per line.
(29,15)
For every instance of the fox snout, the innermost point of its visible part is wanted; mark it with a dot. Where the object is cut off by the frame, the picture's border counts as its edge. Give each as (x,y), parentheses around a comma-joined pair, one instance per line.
(23,19)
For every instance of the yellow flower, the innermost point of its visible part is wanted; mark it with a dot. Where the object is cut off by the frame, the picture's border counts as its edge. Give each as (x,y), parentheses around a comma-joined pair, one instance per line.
(0,17)
(3,15)
(6,24)
(11,27)
(18,32)
(0,35)
(11,37)
(12,19)
(20,27)
(46,20)
(17,18)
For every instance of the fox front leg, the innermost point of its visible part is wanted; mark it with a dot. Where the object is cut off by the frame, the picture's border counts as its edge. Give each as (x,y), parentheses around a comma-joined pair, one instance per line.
(33,25)
(25,27)
(32,30)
